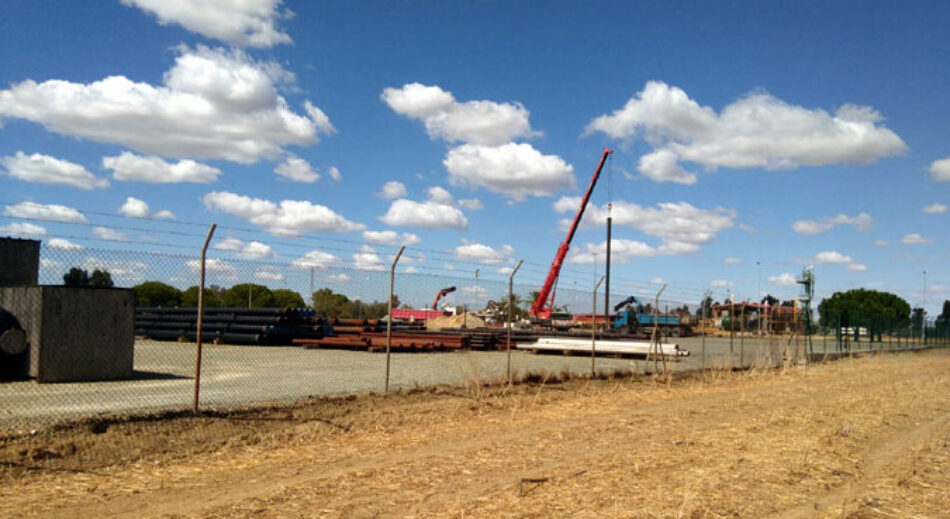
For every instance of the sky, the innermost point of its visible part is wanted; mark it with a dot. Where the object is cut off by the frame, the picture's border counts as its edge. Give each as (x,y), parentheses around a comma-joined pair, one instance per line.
(751,139)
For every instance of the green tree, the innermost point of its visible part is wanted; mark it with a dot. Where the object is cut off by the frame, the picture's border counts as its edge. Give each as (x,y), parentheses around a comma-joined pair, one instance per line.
(156,293)
(101,279)
(287,298)
(213,298)
(770,300)
(916,321)
(237,296)
(76,277)
(872,309)
(328,303)
(705,307)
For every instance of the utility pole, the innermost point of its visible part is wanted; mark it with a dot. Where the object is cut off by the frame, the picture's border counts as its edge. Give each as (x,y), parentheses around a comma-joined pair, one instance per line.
(923,311)
(758,294)
(610,220)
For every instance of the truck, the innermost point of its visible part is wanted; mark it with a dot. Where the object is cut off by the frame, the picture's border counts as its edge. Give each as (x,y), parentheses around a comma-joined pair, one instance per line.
(633,320)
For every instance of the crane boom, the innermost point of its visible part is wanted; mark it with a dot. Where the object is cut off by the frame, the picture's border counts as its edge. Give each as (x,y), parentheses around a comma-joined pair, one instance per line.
(442,293)
(544,304)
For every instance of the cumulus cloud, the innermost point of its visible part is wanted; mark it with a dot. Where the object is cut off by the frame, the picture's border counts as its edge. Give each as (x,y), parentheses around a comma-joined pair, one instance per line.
(135,208)
(105,233)
(367,259)
(249,23)
(914,239)
(297,169)
(338,278)
(391,238)
(48,212)
(23,228)
(268,273)
(60,243)
(681,227)
(43,169)
(248,250)
(286,218)
(940,170)
(472,204)
(129,167)
(214,103)
(120,270)
(515,170)
(335,173)
(315,259)
(215,267)
(731,261)
(392,190)
(481,253)
(720,283)
(836,258)
(935,209)
(755,131)
(477,122)
(862,223)
(437,212)
(785,280)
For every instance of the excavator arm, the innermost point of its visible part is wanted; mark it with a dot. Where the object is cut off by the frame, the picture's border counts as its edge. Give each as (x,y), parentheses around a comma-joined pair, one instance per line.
(440,295)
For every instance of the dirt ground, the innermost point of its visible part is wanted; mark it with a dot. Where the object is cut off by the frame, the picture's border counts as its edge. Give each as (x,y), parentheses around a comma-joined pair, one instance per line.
(867,437)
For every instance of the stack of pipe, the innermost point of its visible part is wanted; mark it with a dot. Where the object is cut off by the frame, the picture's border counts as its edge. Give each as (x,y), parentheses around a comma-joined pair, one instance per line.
(271,326)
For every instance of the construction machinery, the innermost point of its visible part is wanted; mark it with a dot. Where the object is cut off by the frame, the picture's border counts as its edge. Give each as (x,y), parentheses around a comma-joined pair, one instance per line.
(442,293)
(633,320)
(543,306)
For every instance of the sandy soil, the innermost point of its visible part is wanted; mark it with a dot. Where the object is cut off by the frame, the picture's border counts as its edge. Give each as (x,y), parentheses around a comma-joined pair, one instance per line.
(867,437)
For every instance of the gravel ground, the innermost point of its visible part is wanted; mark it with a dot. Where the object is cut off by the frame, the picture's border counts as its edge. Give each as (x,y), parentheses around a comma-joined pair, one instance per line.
(236,375)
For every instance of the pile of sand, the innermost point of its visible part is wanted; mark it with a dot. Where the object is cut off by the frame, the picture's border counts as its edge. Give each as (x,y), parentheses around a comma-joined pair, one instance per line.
(455,321)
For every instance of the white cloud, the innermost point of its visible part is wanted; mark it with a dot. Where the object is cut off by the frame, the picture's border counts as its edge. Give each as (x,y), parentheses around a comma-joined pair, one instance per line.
(862,223)
(105,233)
(880,243)
(681,227)
(731,261)
(481,253)
(315,259)
(269,273)
(129,167)
(164,214)
(335,173)
(214,103)
(49,212)
(392,190)
(915,238)
(755,131)
(784,280)
(121,271)
(135,208)
(249,23)
(472,204)
(248,250)
(440,195)
(59,243)
(288,218)
(935,209)
(940,170)
(857,267)
(23,228)
(720,283)
(621,251)
(338,278)
(515,170)
(367,259)
(391,238)
(427,215)
(297,169)
(43,169)
(833,257)
(478,122)
(215,267)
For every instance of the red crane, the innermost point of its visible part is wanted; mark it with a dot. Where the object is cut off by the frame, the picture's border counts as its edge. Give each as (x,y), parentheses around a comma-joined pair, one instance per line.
(544,304)
(440,295)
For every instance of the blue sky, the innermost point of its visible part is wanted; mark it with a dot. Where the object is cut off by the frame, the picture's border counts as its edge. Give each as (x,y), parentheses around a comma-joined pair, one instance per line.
(788,134)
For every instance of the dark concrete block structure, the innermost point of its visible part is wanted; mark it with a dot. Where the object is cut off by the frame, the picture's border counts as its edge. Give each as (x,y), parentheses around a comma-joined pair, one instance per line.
(19,262)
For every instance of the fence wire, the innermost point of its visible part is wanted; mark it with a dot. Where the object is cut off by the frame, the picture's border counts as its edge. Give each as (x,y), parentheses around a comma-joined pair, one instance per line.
(88,357)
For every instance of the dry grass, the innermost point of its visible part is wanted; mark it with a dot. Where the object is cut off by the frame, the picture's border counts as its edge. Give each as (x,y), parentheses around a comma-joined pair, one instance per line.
(865,437)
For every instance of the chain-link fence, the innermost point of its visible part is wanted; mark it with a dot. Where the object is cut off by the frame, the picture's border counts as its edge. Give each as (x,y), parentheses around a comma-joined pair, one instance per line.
(277,332)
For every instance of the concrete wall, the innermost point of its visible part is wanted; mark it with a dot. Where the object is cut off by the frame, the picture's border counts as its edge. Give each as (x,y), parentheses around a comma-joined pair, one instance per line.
(76,334)
(19,262)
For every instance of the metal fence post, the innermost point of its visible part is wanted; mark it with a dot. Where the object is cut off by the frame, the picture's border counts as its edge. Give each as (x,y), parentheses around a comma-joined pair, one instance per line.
(511,304)
(201,311)
(389,318)
(593,328)
(705,317)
